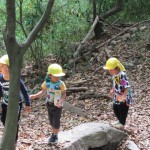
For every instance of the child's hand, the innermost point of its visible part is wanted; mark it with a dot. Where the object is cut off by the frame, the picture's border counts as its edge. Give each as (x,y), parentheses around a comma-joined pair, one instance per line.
(28,108)
(120,98)
(32,96)
(59,105)
(111,93)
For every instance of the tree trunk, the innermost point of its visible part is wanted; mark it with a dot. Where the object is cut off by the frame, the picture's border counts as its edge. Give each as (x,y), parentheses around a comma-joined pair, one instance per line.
(98,30)
(117,8)
(99,26)
(94,10)
(10,129)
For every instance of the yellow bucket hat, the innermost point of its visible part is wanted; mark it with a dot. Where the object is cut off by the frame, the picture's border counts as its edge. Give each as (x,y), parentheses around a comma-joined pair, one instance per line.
(4,60)
(112,63)
(55,70)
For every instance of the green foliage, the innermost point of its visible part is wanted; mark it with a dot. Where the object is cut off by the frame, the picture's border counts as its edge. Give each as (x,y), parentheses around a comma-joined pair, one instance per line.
(2,23)
(67,24)
(136,10)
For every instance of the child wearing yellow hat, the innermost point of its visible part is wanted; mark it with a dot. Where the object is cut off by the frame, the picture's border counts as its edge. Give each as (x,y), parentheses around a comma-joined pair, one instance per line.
(120,92)
(56,94)
(4,91)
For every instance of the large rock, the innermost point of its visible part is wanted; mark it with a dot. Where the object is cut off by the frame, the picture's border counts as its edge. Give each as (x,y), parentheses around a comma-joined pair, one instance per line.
(90,136)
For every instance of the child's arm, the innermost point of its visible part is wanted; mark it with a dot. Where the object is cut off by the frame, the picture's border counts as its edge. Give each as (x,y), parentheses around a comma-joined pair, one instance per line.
(38,95)
(25,95)
(1,95)
(62,99)
(111,93)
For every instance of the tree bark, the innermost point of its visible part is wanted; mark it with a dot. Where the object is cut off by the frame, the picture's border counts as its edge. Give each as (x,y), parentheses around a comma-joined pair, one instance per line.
(94,10)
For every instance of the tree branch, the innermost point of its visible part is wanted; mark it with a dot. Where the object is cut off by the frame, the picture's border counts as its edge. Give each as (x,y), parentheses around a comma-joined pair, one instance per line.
(114,10)
(11,18)
(87,37)
(33,34)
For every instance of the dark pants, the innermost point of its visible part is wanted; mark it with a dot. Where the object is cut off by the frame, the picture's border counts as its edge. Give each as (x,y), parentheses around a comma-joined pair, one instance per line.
(3,116)
(54,115)
(121,111)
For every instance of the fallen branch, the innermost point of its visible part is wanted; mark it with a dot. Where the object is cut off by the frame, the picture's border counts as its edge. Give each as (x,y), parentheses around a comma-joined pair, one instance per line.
(87,37)
(94,95)
(78,83)
(34,88)
(76,89)
(117,8)
(107,53)
(74,109)
(66,106)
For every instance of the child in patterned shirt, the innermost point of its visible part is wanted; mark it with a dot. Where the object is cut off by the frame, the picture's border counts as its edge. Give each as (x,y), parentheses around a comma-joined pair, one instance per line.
(120,92)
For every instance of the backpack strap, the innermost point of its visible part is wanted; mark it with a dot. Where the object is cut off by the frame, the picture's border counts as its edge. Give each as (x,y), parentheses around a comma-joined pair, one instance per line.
(1,76)
(48,82)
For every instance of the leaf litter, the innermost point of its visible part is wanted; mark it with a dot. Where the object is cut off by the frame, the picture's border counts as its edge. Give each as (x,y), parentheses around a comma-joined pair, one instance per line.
(34,126)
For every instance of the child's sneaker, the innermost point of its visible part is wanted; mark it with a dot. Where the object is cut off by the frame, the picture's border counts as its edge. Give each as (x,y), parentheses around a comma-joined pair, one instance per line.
(53,139)
(116,122)
(119,126)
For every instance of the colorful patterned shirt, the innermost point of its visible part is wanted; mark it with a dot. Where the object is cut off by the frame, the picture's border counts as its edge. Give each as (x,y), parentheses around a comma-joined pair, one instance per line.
(51,87)
(4,91)
(120,83)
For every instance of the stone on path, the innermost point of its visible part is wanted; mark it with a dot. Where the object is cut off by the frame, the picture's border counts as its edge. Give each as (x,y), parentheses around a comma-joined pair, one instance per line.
(91,135)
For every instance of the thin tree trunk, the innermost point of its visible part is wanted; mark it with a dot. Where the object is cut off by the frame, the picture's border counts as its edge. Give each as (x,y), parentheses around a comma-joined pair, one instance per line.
(9,134)
(94,10)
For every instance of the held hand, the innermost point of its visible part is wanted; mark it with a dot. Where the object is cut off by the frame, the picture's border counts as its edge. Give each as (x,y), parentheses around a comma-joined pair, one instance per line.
(32,96)
(59,105)
(28,108)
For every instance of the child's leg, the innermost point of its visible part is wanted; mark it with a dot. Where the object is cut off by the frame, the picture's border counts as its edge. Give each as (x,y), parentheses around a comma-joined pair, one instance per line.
(55,125)
(19,113)
(50,115)
(55,131)
(4,112)
(54,115)
(116,111)
(56,119)
(123,109)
